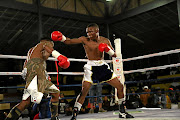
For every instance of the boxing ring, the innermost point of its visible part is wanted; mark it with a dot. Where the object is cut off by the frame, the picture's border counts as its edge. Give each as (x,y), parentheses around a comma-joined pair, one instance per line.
(139,114)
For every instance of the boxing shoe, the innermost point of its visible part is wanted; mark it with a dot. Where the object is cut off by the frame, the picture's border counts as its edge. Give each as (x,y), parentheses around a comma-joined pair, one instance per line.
(13,114)
(55,118)
(75,113)
(74,118)
(125,115)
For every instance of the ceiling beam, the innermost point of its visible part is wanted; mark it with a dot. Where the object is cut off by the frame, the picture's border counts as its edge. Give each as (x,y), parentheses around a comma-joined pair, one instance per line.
(85,7)
(65,14)
(75,6)
(114,7)
(49,11)
(139,10)
(126,5)
(97,6)
(63,4)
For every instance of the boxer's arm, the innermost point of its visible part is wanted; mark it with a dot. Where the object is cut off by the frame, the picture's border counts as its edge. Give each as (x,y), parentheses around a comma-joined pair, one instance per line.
(109,43)
(74,40)
(58,36)
(104,47)
(63,60)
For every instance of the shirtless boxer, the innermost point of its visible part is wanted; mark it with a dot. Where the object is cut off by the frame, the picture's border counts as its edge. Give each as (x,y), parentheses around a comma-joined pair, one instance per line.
(96,68)
(37,82)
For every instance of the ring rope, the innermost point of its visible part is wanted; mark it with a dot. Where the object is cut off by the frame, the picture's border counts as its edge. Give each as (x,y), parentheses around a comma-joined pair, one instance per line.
(50,58)
(126,82)
(99,96)
(152,68)
(82,73)
(52,73)
(153,55)
(85,60)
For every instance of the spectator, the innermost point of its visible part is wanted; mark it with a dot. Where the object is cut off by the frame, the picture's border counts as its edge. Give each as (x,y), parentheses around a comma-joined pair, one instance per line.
(113,103)
(160,99)
(172,96)
(96,90)
(134,101)
(150,103)
(168,102)
(106,103)
(177,95)
(63,103)
(144,97)
(43,108)
(127,96)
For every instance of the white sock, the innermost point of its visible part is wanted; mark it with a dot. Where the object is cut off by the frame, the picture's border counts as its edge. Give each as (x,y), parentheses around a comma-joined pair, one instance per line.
(120,101)
(78,105)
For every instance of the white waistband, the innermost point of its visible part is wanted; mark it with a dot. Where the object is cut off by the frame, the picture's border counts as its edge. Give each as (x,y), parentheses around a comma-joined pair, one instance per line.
(96,62)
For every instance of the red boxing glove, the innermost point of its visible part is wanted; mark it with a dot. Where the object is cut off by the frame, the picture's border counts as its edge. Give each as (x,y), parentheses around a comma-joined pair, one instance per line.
(57,36)
(63,62)
(104,47)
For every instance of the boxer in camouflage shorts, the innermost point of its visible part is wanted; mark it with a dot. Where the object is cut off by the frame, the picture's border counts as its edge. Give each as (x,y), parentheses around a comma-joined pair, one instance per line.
(36,77)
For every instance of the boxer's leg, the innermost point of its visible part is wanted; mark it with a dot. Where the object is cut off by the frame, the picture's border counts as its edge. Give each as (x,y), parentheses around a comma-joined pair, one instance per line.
(15,112)
(80,98)
(119,86)
(54,92)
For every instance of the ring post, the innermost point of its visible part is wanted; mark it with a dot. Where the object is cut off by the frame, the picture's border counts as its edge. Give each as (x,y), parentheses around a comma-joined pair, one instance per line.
(118,66)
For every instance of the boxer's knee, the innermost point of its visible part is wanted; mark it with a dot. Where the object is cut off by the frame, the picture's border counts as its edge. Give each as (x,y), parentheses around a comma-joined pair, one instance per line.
(55,96)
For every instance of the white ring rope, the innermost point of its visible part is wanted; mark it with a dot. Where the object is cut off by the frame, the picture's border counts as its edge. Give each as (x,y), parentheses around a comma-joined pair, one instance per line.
(152,68)
(85,60)
(82,73)
(52,73)
(153,55)
(50,58)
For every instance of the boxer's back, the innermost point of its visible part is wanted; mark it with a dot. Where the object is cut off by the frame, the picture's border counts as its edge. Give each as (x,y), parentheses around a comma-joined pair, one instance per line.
(38,51)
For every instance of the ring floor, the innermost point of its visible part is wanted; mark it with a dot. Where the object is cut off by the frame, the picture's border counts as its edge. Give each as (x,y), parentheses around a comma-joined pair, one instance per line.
(139,114)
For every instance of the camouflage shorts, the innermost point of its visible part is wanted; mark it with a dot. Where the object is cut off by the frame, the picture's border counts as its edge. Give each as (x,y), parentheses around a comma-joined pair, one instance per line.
(37,66)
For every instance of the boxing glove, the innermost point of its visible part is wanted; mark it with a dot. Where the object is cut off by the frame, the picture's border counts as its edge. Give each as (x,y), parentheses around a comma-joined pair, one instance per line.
(57,36)
(104,47)
(63,61)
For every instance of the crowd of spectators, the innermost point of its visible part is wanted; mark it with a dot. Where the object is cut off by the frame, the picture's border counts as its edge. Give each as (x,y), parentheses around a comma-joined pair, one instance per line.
(152,98)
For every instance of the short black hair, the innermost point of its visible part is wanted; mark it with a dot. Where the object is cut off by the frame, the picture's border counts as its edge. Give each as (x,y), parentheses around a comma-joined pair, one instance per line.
(92,25)
(45,38)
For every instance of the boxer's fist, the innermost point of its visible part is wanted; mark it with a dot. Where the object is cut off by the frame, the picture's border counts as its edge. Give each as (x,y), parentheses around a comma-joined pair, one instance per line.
(57,36)
(63,62)
(104,47)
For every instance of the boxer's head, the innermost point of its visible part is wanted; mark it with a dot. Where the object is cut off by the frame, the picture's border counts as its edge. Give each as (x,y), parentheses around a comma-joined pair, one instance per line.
(47,39)
(92,31)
